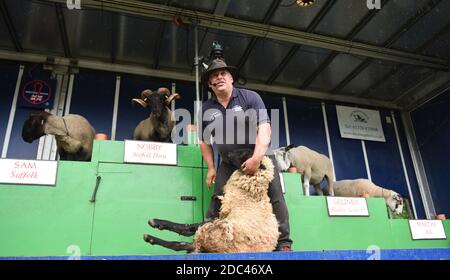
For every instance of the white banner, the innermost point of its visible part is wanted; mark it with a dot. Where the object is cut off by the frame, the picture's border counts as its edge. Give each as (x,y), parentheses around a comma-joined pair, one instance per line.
(150,152)
(29,172)
(357,123)
(427,229)
(347,206)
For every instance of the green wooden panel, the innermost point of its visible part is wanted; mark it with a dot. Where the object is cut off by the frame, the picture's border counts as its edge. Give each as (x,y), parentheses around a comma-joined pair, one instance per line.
(202,193)
(313,229)
(402,236)
(45,221)
(113,151)
(128,196)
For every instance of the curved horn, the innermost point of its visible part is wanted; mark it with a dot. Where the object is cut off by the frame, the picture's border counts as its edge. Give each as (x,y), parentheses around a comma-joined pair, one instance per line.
(145,94)
(144,98)
(139,101)
(170,98)
(163,90)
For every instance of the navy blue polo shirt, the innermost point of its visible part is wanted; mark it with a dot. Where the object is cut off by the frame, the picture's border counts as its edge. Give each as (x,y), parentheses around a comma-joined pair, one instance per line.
(233,128)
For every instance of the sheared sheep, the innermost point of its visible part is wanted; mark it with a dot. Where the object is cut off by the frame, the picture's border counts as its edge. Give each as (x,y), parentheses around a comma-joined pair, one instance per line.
(73,133)
(246,222)
(357,187)
(313,166)
(158,126)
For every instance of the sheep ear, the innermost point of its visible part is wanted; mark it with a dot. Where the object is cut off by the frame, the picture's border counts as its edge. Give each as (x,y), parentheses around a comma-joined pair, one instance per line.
(289,147)
(172,97)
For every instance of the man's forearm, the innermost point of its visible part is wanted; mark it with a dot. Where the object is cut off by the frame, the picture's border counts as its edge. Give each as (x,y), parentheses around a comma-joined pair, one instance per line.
(262,141)
(207,153)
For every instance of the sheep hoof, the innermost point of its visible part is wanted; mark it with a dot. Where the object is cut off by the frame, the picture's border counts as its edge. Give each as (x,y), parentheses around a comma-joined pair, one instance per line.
(155,223)
(148,238)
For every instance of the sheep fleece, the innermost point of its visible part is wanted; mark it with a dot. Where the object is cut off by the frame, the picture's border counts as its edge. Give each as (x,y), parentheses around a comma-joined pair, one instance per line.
(246,221)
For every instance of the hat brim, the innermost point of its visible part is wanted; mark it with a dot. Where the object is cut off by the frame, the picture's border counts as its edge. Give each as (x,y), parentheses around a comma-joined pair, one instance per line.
(206,74)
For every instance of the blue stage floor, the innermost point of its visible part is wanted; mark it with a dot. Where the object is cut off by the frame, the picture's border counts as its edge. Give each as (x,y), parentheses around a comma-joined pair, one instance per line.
(402,254)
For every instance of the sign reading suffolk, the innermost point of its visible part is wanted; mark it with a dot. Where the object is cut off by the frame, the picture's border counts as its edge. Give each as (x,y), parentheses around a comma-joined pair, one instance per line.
(28,172)
(357,123)
(150,152)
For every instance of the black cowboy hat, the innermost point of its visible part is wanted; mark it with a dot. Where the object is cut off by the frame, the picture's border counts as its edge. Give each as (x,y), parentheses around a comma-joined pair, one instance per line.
(215,65)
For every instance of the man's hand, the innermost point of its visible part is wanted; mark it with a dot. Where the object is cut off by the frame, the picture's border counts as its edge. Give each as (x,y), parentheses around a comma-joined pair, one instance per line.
(250,166)
(211,177)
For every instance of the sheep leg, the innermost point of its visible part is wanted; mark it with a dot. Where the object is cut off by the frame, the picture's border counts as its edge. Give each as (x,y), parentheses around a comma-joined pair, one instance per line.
(331,189)
(306,185)
(182,229)
(318,189)
(174,245)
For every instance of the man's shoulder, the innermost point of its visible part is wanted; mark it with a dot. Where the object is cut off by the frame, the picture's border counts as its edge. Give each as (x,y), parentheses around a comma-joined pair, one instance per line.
(249,96)
(246,92)
(208,104)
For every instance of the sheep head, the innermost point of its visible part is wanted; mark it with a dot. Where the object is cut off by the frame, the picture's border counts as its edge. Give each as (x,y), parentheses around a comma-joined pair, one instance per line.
(282,157)
(156,100)
(33,127)
(395,203)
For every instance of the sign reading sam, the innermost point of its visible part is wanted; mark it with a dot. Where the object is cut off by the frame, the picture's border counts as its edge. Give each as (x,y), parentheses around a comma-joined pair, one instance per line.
(28,172)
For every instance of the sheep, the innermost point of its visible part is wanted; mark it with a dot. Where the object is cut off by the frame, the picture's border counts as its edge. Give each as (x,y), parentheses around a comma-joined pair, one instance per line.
(158,126)
(73,133)
(246,222)
(313,166)
(358,187)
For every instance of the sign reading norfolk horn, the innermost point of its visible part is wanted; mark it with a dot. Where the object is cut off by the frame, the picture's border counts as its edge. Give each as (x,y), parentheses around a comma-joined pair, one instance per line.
(357,123)
(427,229)
(150,152)
(28,172)
(347,206)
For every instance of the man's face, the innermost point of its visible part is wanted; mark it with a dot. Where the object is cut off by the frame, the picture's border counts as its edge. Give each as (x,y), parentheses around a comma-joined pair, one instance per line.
(220,80)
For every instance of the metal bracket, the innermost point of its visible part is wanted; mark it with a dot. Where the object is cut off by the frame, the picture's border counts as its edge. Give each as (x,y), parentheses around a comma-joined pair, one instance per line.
(188,197)
(97,183)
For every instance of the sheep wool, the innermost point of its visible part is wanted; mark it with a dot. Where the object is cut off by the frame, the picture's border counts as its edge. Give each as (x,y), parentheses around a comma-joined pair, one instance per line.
(357,187)
(246,221)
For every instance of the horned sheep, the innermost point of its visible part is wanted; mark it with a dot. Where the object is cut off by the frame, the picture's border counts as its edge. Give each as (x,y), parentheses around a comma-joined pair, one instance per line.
(73,133)
(358,187)
(246,222)
(313,166)
(158,126)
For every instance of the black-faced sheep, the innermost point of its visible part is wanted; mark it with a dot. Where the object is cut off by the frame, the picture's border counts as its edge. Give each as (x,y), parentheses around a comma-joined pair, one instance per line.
(158,126)
(73,133)
(313,166)
(246,222)
(358,187)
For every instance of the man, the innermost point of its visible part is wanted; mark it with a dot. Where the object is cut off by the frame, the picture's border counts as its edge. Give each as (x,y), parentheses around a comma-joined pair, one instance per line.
(217,120)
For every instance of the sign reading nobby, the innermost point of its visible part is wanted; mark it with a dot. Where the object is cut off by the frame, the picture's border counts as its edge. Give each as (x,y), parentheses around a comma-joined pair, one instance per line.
(347,206)
(357,123)
(28,172)
(150,152)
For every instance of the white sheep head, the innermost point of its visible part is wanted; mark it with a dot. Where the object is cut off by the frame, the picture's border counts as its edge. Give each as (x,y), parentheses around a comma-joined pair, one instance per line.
(282,157)
(395,203)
